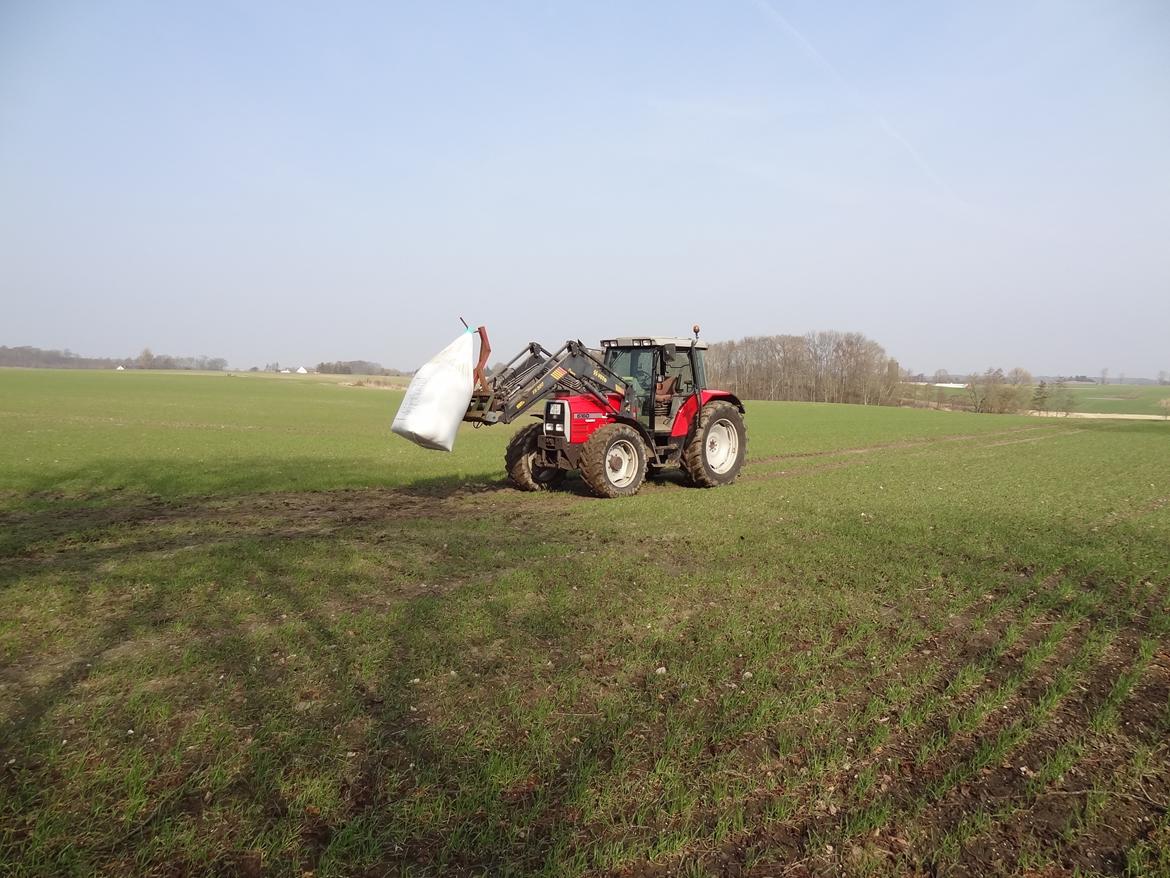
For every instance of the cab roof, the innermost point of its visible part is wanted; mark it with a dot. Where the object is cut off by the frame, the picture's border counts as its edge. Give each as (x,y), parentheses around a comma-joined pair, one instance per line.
(636,341)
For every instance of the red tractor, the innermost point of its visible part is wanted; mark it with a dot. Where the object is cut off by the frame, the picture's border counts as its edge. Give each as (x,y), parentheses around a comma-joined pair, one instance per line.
(639,404)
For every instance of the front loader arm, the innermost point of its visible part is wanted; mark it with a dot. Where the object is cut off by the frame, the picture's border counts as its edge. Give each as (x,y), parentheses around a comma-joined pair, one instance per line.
(534,373)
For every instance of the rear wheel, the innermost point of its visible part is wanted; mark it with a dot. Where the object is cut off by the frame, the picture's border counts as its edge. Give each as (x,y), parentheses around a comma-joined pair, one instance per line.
(613,461)
(523,463)
(717,450)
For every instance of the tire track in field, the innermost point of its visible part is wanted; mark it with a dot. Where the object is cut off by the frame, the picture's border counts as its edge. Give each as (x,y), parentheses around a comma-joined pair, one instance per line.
(901,443)
(850,456)
(1033,439)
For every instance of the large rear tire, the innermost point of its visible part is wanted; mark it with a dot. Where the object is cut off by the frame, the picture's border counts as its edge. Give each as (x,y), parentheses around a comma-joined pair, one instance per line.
(717,450)
(613,461)
(523,466)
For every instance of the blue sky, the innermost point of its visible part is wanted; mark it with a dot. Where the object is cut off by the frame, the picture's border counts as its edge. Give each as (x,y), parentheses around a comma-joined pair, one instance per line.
(970,184)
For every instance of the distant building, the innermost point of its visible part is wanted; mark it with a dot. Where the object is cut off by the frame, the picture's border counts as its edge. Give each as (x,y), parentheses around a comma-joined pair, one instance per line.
(302,371)
(120,369)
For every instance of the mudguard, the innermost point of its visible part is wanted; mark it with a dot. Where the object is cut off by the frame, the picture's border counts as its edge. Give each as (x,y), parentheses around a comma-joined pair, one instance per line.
(690,409)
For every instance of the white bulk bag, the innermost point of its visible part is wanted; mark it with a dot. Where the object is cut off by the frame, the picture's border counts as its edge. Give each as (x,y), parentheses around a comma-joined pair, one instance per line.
(437,397)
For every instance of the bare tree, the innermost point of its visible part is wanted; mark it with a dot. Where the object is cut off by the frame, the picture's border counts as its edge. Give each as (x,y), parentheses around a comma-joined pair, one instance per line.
(985,389)
(1019,377)
(817,367)
(997,393)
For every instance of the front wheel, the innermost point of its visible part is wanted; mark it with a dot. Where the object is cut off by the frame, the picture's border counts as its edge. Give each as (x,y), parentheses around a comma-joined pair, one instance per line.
(613,461)
(718,447)
(523,463)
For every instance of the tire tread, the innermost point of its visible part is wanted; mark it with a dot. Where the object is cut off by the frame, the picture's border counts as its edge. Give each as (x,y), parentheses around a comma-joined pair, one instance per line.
(593,461)
(692,457)
(518,465)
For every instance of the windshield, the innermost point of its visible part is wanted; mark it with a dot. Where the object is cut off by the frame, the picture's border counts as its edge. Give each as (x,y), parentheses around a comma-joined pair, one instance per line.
(635,365)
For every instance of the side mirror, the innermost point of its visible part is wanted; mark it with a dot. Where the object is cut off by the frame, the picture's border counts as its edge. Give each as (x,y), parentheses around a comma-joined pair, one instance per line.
(668,350)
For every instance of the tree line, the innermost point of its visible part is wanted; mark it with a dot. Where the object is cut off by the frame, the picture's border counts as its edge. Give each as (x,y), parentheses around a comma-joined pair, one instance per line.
(29,357)
(848,367)
(356,367)
(997,392)
(816,367)
(149,360)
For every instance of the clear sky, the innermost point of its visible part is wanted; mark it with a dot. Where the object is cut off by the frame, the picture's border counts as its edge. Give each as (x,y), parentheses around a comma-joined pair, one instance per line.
(970,184)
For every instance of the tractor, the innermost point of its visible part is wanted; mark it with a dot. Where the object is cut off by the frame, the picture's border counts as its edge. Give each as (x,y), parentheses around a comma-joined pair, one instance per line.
(636,406)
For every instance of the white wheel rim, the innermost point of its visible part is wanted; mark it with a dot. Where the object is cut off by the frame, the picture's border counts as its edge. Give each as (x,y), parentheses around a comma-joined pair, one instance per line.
(722,446)
(621,463)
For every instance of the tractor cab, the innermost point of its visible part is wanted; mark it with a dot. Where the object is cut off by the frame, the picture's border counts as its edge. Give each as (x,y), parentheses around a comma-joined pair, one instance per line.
(662,373)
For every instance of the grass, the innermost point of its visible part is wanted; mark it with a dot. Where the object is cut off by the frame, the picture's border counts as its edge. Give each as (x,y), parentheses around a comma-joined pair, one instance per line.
(1134,399)
(244,630)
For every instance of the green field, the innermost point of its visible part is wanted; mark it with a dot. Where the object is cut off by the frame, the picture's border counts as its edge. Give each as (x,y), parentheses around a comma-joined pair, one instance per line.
(1113,399)
(246,631)
(1130,399)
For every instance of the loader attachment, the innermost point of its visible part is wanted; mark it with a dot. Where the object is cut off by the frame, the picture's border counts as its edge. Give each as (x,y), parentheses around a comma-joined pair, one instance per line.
(533,374)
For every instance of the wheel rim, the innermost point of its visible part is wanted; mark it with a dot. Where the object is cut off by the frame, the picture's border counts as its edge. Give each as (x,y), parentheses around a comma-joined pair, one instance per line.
(621,463)
(722,446)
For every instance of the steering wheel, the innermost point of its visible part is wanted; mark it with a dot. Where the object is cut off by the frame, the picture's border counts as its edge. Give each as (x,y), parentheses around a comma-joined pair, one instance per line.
(645,379)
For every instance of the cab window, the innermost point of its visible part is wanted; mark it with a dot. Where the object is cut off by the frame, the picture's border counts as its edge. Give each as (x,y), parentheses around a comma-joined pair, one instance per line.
(635,365)
(679,368)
